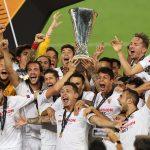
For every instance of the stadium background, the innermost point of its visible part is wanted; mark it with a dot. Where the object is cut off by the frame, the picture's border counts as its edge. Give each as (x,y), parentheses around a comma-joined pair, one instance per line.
(122,18)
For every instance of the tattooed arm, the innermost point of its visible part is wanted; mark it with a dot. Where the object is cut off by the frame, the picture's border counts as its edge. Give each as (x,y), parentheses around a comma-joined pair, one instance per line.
(21,121)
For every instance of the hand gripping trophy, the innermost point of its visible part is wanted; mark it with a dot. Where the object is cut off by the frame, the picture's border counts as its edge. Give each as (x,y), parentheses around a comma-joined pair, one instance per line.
(82,19)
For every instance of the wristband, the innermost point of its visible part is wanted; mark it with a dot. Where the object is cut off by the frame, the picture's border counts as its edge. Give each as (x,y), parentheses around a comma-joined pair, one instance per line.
(35,46)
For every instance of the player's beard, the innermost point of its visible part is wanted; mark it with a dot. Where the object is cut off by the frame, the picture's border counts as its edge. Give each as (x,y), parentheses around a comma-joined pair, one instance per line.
(124,110)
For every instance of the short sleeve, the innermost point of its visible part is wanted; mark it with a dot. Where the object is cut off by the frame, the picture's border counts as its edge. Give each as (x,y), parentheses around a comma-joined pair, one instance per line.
(20,101)
(88,95)
(145,62)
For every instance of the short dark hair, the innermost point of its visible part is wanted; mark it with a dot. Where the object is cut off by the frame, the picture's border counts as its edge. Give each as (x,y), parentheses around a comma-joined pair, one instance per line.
(124,79)
(107,59)
(45,57)
(106,70)
(52,49)
(137,81)
(21,48)
(144,37)
(52,71)
(133,94)
(33,62)
(97,144)
(79,75)
(13,54)
(73,86)
(68,46)
(117,61)
(142,142)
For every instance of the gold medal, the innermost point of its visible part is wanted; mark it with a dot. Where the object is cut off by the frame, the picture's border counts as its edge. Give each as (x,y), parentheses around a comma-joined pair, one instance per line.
(64,122)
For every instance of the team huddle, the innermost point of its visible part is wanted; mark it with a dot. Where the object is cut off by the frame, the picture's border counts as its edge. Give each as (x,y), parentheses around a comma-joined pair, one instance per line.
(46,107)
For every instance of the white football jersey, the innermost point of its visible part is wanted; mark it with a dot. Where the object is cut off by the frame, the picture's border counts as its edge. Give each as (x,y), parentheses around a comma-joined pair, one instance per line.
(48,131)
(11,137)
(75,134)
(145,76)
(137,124)
(145,62)
(111,106)
(30,111)
(60,73)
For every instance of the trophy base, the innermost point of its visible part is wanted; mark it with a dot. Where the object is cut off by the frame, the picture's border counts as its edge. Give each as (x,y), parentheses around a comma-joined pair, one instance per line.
(80,68)
(80,57)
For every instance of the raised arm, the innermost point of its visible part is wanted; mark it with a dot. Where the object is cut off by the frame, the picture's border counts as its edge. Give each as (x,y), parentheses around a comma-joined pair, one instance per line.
(39,38)
(117,46)
(144,87)
(56,88)
(2,29)
(14,78)
(89,65)
(55,23)
(99,51)
(44,45)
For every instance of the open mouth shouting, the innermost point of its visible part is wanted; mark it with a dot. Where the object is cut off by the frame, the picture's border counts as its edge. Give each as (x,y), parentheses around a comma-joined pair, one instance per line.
(66,60)
(33,79)
(4,74)
(50,84)
(132,52)
(52,64)
(102,87)
(65,101)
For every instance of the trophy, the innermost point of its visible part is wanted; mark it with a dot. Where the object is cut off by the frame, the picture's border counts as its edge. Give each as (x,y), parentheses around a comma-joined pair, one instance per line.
(82,19)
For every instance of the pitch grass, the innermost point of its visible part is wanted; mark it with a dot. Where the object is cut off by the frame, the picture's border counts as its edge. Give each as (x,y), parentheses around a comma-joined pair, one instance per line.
(122,18)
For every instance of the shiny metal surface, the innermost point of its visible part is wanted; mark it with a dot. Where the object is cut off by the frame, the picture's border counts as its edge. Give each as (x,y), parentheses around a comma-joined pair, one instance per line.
(82,19)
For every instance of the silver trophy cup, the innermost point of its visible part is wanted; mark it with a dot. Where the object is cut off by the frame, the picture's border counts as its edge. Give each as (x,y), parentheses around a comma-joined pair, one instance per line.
(82,19)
